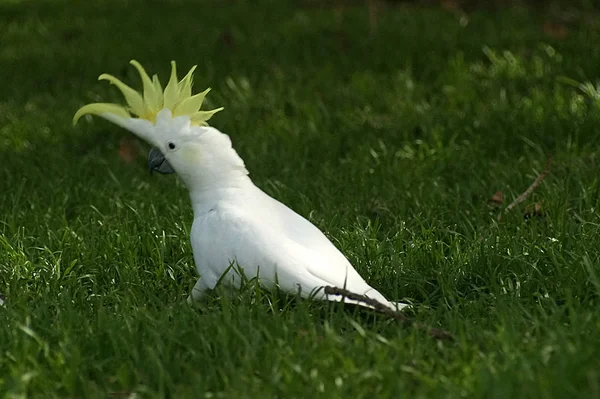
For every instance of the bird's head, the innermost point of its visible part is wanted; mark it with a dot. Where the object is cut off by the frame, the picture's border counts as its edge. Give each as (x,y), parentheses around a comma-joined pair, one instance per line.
(171,121)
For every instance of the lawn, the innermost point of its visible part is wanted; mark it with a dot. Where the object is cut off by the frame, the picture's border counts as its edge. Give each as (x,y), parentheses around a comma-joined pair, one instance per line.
(391,140)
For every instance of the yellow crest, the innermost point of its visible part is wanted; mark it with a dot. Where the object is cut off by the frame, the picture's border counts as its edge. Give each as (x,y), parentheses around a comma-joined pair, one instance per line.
(177,97)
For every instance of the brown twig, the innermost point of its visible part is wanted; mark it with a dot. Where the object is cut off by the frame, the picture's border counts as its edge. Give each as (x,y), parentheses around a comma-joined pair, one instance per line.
(530,189)
(399,316)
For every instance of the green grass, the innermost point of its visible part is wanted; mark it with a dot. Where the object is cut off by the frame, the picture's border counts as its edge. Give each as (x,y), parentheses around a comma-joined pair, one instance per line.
(391,144)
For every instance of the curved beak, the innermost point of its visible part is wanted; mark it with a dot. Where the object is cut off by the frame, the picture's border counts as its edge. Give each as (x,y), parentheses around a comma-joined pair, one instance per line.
(157,162)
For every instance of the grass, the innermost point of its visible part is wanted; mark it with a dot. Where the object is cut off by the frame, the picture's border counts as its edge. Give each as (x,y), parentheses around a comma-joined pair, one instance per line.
(391,144)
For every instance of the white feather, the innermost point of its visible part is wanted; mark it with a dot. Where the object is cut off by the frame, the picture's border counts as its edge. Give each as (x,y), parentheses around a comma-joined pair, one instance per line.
(266,238)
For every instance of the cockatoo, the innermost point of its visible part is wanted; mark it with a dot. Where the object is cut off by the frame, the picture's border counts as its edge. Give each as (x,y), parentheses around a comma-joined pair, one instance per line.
(235,222)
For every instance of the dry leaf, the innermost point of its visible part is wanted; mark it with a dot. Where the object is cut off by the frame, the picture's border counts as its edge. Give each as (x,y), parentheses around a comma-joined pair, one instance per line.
(534,211)
(226,38)
(556,30)
(128,149)
(496,199)
(373,6)
(450,5)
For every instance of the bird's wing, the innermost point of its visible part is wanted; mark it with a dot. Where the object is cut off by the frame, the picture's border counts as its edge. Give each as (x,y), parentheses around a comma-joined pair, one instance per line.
(230,234)
(331,265)
(226,235)
(294,226)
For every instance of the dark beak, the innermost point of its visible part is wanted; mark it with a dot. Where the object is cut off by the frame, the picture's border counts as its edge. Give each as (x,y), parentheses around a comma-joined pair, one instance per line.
(158,163)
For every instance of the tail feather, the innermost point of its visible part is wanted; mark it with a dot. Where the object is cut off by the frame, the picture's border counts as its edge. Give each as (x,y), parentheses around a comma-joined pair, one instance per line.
(371,299)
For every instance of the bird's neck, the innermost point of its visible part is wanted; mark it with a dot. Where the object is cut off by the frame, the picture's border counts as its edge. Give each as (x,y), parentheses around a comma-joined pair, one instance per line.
(205,195)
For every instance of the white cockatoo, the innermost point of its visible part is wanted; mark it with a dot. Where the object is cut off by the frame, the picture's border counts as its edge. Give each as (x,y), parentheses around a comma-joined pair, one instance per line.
(235,222)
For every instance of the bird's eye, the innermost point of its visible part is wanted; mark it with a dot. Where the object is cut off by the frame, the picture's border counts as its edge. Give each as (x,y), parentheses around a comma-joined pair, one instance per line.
(171,145)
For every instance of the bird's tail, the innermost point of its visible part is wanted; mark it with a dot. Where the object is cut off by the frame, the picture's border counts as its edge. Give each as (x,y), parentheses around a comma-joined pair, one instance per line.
(371,299)
(394,306)
(399,305)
